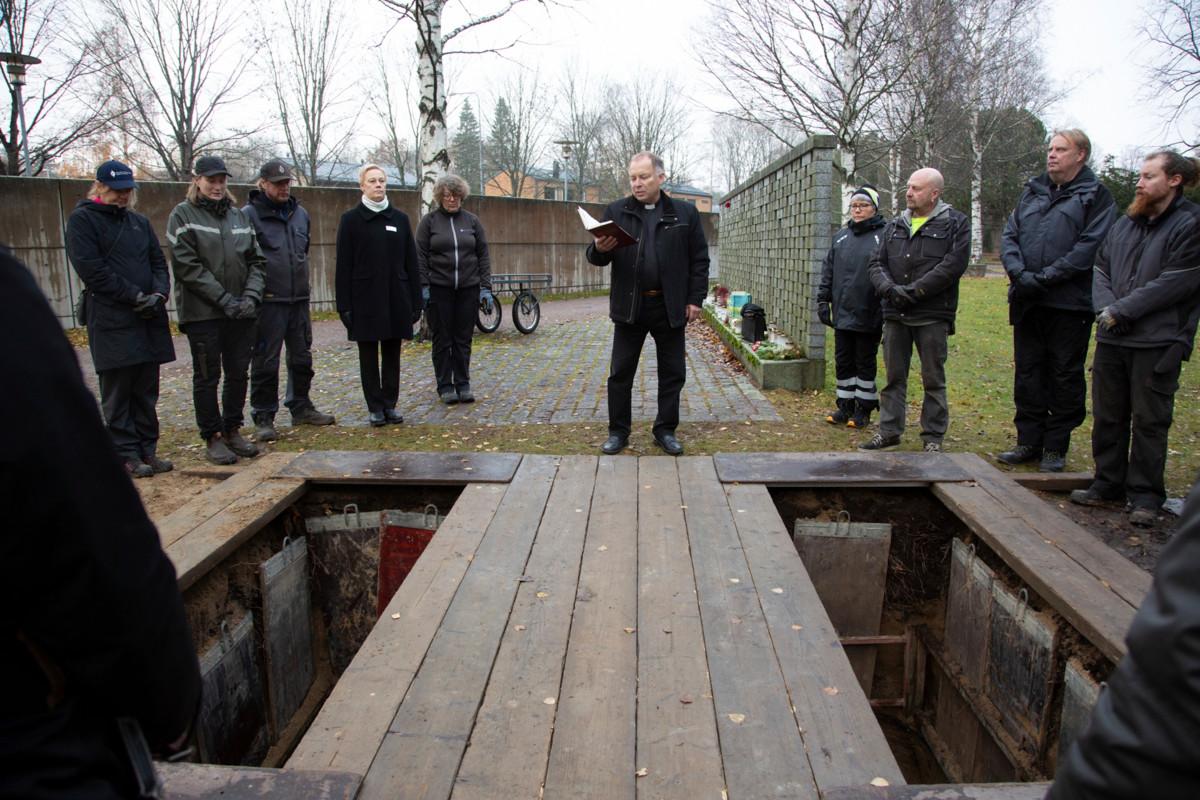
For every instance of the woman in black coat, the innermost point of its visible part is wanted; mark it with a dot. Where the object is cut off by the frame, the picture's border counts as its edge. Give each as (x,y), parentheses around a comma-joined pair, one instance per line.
(378,290)
(118,258)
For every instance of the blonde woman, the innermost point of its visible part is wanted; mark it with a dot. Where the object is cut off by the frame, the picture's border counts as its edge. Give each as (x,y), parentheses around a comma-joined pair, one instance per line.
(378,291)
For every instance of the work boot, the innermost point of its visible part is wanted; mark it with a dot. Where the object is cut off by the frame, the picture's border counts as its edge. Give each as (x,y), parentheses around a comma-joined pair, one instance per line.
(138,468)
(264,427)
(218,451)
(1092,496)
(448,396)
(240,444)
(879,442)
(862,414)
(159,465)
(465,395)
(393,416)
(1021,454)
(1143,516)
(1053,461)
(841,415)
(307,415)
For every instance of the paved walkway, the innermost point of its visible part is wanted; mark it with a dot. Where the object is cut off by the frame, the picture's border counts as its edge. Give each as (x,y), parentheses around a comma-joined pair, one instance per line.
(556,374)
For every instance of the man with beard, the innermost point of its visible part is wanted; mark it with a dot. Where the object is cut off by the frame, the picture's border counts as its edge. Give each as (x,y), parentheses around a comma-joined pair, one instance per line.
(1147,291)
(1049,246)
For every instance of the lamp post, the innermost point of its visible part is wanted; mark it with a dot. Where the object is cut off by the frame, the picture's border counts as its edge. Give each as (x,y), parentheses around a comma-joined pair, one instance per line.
(16,63)
(566,145)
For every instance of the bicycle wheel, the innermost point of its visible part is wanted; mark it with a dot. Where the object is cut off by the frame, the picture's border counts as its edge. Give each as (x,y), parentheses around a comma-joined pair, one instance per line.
(527,312)
(488,322)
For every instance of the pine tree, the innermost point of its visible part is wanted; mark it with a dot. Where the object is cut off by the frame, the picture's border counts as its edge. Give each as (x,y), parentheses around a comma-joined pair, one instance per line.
(466,149)
(503,148)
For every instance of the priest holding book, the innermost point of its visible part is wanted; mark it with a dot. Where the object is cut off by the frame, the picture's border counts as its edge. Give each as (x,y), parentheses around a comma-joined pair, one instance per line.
(658,283)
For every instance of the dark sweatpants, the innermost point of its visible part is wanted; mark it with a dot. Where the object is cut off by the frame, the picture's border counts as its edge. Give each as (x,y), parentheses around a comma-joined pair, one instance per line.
(451,315)
(220,348)
(379,370)
(1132,407)
(280,324)
(1049,386)
(128,399)
(856,361)
(628,340)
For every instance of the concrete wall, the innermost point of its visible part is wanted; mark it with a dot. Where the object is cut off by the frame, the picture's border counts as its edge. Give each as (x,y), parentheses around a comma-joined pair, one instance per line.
(523,235)
(775,231)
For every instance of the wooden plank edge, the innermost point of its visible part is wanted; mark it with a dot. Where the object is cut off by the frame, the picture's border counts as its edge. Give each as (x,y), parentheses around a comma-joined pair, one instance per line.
(961,791)
(1052,481)
(215,782)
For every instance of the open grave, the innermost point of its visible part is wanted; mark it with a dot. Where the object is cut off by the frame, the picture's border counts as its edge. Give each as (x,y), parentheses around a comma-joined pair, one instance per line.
(375,624)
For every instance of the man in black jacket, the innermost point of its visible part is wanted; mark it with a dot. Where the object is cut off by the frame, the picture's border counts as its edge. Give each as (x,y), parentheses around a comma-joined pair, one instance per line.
(92,627)
(657,287)
(281,225)
(1049,246)
(916,274)
(1146,287)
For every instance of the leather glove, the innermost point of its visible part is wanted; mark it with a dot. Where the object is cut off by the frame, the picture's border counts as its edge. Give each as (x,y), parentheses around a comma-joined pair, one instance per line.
(247,308)
(347,319)
(824,313)
(425,295)
(148,305)
(486,300)
(1113,323)
(1030,285)
(900,297)
(230,305)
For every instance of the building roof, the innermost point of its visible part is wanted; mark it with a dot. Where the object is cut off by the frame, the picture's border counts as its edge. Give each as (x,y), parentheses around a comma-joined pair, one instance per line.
(343,173)
(685,188)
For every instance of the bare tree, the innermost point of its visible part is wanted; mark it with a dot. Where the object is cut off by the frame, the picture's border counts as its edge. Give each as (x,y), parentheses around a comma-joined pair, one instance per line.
(303,77)
(1174,28)
(519,126)
(63,104)
(396,107)
(581,120)
(166,60)
(650,113)
(741,148)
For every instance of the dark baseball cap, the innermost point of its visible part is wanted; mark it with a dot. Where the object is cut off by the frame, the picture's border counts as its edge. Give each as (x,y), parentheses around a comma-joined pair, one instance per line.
(208,166)
(115,175)
(275,170)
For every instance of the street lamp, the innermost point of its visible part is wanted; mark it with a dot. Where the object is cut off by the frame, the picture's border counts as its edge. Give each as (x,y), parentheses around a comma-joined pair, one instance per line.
(16,63)
(566,145)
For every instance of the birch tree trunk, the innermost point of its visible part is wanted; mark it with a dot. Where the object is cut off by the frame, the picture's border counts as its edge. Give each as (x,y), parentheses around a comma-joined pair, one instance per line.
(976,190)
(434,145)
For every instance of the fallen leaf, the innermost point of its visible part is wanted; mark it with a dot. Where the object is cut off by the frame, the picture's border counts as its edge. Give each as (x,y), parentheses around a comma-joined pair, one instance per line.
(830,690)
(524,579)
(543,594)
(880,782)
(735,580)
(396,616)
(777,590)
(737,718)
(686,699)
(518,627)
(630,630)
(602,548)
(549,701)
(643,772)
(797,627)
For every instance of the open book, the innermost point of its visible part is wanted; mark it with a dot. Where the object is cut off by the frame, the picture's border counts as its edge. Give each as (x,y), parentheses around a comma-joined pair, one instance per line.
(607,228)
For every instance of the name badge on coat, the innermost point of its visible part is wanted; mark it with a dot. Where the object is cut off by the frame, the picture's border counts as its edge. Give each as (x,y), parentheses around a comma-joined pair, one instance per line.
(391,228)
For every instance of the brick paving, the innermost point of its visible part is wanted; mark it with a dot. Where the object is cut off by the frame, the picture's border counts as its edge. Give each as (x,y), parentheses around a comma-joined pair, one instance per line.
(555,375)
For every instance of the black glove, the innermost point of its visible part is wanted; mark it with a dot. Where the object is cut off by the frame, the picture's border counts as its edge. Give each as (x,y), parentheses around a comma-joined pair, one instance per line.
(230,305)
(347,319)
(148,305)
(247,308)
(1029,285)
(1112,322)
(900,297)
(824,313)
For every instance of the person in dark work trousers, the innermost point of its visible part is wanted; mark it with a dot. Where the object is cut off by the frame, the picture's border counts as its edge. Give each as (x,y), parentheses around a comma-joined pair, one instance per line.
(92,627)
(456,276)
(282,227)
(116,254)
(657,287)
(378,291)
(846,302)
(1048,250)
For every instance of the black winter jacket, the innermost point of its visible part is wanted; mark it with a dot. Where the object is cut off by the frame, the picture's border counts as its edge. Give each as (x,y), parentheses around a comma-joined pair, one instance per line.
(116,254)
(452,250)
(929,264)
(84,582)
(845,281)
(377,281)
(283,237)
(1057,240)
(682,254)
(1141,742)
(213,253)
(1148,274)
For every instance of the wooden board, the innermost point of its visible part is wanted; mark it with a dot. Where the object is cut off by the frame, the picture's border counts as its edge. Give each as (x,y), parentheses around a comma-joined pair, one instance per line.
(987,791)
(389,467)
(761,747)
(1081,692)
(287,632)
(676,731)
(841,736)
(969,613)
(205,506)
(595,732)
(1052,481)
(355,717)
(423,748)
(837,469)
(231,726)
(210,782)
(1022,666)
(523,689)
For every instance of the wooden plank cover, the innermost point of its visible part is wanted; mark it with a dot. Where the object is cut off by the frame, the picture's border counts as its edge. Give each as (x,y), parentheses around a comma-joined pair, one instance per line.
(391,467)
(210,782)
(837,469)
(987,791)
(287,631)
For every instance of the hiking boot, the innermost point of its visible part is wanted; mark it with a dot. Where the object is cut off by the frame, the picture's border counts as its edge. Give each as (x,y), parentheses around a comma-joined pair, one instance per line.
(862,413)
(837,417)
(465,395)
(310,416)
(448,396)
(932,447)
(1143,517)
(138,468)
(218,451)
(159,465)
(264,429)
(1021,454)
(1053,461)
(240,444)
(879,442)
(1091,497)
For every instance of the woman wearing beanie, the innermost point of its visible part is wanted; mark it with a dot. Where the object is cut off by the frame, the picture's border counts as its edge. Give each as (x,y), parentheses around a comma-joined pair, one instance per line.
(456,276)
(378,291)
(117,256)
(846,302)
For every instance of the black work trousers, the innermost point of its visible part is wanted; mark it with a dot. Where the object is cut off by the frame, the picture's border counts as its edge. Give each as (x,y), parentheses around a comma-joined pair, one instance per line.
(281,324)
(451,315)
(856,361)
(1133,404)
(628,340)
(128,399)
(379,370)
(221,352)
(1050,349)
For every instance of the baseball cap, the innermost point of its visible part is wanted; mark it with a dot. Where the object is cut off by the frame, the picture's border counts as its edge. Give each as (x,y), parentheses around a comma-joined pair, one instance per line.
(208,166)
(115,175)
(275,170)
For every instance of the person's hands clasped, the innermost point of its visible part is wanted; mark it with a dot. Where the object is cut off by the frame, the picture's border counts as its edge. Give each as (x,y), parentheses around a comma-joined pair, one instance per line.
(148,305)
(247,308)
(606,244)
(901,297)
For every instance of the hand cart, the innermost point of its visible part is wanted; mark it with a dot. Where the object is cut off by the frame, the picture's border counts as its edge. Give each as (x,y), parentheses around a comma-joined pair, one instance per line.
(526,311)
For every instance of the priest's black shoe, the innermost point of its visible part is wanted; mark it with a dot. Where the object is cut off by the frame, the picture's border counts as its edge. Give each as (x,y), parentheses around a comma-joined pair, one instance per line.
(613,445)
(669,444)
